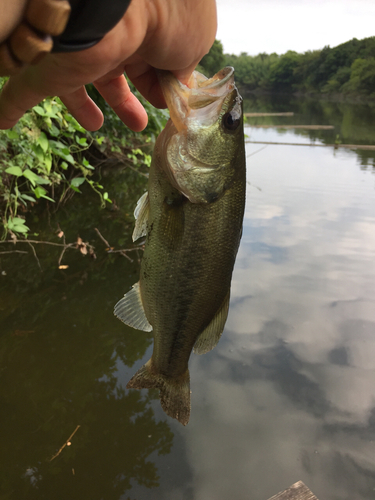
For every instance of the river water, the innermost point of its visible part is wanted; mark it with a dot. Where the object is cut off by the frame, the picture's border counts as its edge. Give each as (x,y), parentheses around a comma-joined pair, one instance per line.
(289,392)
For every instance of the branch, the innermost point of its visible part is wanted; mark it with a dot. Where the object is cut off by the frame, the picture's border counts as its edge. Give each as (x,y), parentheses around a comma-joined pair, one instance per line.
(67,443)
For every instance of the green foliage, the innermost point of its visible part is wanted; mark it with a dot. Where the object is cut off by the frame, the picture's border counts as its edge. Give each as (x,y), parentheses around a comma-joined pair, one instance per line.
(282,72)
(48,155)
(347,68)
(252,72)
(338,80)
(362,77)
(213,61)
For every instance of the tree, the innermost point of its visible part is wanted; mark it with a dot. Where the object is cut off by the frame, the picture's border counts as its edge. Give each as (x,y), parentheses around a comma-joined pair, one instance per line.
(213,62)
(282,77)
(362,77)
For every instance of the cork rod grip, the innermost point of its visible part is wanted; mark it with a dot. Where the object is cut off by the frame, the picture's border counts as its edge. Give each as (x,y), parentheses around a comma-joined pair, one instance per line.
(32,39)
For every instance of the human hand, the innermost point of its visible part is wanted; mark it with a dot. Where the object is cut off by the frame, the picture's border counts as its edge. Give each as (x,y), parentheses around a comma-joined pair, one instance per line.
(162,34)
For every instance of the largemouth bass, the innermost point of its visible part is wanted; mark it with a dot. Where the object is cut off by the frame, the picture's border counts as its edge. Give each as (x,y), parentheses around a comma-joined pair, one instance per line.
(192,219)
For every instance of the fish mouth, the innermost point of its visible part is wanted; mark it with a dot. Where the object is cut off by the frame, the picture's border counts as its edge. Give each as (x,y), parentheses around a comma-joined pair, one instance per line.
(203,95)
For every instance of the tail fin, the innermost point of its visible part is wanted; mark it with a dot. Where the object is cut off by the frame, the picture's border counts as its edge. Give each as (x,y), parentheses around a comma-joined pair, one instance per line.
(174,392)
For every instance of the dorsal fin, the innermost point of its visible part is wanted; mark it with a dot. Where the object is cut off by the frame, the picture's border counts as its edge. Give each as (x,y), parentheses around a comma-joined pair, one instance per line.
(141,216)
(210,336)
(130,310)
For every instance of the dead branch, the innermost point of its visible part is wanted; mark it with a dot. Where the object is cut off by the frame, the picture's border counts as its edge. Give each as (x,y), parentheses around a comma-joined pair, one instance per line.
(84,247)
(36,257)
(369,147)
(67,443)
(122,251)
(102,238)
(287,127)
(255,115)
(79,245)
(13,251)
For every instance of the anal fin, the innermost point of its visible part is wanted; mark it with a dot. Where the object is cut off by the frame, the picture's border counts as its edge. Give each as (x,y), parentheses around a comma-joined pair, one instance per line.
(210,336)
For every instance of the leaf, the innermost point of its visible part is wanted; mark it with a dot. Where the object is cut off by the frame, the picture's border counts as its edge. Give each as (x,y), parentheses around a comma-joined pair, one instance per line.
(57,144)
(86,164)
(17,220)
(54,130)
(18,225)
(27,197)
(105,197)
(82,246)
(41,193)
(74,123)
(48,163)
(77,181)
(48,107)
(12,134)
(39,110)
(19,229)
(38,152)
(14,171)
(43,141)
(67,157)
(82,141)
(34,178)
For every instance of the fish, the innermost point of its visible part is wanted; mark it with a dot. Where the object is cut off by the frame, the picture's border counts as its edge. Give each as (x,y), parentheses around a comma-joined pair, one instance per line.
(192,217)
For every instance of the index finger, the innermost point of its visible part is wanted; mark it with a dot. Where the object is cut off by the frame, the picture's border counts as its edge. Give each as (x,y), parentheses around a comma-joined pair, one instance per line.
(15,99)
(118,95)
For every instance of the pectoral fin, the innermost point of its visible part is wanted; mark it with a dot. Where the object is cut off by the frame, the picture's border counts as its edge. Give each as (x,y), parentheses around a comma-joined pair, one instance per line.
(130,310)
(141,215)
(210,336)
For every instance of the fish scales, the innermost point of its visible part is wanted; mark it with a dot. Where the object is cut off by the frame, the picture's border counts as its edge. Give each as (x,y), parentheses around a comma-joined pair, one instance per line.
(176,304)
(192,218)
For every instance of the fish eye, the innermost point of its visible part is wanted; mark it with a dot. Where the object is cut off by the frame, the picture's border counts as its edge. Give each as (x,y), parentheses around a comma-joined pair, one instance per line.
(231,120)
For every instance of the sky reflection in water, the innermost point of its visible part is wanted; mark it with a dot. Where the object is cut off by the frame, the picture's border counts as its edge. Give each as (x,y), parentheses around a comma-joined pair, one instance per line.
(289,391)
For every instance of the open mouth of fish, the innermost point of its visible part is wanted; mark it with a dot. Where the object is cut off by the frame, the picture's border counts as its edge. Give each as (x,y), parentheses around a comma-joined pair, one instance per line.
(201,100)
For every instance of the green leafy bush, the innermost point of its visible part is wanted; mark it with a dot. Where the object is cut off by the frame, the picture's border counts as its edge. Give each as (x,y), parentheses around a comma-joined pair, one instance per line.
(48,155)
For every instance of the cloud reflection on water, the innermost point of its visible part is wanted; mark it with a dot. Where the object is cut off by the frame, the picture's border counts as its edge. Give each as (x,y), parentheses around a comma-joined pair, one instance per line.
(289,392)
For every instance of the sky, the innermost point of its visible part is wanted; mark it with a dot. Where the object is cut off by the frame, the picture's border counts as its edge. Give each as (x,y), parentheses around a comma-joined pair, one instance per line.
(256,26)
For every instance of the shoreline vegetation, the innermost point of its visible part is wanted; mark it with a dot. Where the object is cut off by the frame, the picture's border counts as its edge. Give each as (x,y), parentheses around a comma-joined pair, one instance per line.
(49,157)
(339,73)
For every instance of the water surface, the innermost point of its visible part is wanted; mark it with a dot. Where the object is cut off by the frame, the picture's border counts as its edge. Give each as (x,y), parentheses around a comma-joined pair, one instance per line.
(287,394)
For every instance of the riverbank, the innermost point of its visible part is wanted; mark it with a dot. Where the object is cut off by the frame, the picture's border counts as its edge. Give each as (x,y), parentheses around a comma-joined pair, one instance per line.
(329,97)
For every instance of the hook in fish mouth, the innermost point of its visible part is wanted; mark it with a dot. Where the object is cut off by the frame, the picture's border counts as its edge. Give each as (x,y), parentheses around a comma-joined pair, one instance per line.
(200,93)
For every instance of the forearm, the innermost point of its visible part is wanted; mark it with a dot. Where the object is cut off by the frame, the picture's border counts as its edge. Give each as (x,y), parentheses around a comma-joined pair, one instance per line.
(11,16)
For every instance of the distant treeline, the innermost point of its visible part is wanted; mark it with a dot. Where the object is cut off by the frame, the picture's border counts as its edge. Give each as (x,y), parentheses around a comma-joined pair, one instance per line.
(348,68)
